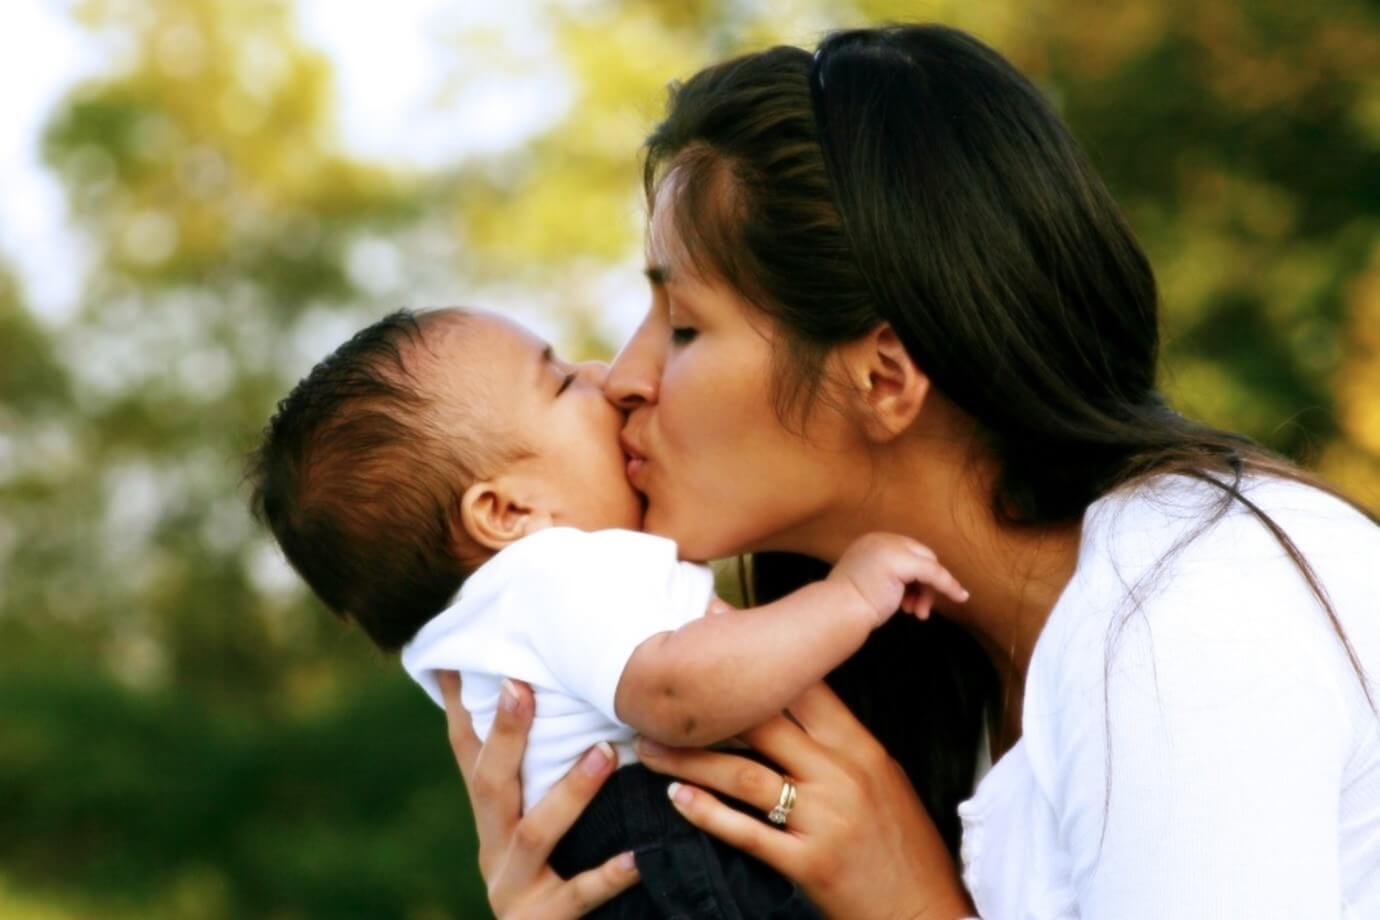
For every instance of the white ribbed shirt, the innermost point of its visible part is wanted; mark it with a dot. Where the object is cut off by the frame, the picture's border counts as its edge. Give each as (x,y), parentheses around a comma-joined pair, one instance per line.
(1208,751)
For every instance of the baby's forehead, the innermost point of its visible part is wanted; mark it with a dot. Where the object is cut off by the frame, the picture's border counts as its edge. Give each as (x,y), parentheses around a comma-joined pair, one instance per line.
(483,337)
(472,353)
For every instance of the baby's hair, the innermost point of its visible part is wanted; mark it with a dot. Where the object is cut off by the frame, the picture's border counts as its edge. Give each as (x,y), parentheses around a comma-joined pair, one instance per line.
(360,487)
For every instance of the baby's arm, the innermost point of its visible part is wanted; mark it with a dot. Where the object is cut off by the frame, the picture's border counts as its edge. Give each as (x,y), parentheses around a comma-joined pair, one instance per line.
(720,675)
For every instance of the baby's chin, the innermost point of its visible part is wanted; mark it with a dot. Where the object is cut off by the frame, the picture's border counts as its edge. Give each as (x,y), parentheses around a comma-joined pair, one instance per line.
(651,521)
(641,502)
(632,514)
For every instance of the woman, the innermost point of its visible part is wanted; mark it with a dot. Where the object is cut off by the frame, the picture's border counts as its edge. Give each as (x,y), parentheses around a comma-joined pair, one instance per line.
(889,293)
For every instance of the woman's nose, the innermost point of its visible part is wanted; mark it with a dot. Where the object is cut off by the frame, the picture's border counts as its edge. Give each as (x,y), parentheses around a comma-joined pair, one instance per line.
(633,379)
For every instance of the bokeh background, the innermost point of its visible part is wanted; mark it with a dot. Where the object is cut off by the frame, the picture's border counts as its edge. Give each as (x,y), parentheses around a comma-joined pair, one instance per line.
(199,198)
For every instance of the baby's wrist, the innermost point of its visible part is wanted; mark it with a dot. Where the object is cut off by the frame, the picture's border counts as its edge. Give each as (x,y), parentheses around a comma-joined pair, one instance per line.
(852,602)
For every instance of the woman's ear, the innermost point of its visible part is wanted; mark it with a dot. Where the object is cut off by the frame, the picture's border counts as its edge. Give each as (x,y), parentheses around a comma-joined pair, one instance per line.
(495,513)
(887,386)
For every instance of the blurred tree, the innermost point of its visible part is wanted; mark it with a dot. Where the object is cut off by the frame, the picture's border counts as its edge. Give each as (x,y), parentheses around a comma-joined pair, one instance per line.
(226,231)
(220,215)
(187,734)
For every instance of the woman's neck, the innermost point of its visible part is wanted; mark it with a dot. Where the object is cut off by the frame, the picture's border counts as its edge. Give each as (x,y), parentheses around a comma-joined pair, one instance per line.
(938,490)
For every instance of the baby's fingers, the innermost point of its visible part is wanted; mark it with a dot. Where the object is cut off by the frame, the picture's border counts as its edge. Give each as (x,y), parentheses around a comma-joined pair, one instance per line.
(918,601)
(928,572)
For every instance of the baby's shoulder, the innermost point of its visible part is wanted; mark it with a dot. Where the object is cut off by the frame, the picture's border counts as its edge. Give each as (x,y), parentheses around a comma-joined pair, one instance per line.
(561,563)
(577,553)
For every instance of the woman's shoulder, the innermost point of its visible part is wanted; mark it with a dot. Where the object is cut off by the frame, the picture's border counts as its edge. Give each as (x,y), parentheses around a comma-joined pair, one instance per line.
(1189,664)
(1168,587)
(1174,524)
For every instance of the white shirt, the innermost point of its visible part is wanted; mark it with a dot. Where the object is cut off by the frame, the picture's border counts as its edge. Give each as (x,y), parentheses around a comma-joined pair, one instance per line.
(1242,778)
(563,610)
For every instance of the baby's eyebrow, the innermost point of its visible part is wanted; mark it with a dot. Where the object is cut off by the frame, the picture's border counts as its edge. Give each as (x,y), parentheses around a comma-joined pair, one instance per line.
(547,356)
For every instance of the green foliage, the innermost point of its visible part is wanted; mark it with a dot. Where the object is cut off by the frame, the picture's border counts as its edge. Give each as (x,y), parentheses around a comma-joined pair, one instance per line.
(32,378)
(136,799)
(187,734)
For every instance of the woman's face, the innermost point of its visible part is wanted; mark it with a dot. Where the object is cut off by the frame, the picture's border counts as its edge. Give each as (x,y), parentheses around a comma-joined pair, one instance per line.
(720,471)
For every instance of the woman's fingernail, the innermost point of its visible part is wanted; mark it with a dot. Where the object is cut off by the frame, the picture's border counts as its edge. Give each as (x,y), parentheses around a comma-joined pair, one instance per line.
(626,862)
(508,696)
(598,758)
(678,794)
(646,747)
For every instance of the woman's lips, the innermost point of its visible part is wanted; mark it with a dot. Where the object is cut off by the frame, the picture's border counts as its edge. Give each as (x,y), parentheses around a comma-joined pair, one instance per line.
(635,462)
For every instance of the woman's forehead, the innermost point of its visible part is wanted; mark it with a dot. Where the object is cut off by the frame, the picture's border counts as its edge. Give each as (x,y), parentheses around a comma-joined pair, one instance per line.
(697,223)
(670,263)
(668,259)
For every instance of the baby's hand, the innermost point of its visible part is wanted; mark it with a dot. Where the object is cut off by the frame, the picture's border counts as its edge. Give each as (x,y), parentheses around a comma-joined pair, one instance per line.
(891,572)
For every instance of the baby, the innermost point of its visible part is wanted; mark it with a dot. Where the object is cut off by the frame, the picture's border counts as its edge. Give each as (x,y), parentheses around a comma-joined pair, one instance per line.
(450,484)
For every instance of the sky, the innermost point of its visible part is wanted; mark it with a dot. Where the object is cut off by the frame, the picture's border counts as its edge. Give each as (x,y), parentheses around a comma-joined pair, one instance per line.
(44,54)
(395,62)
(401,91)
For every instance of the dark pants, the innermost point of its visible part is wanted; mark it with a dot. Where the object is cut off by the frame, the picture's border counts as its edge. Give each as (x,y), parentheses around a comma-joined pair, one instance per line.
(686,874)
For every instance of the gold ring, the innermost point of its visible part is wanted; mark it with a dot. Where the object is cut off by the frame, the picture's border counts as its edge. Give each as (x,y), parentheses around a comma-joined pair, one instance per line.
(784,803)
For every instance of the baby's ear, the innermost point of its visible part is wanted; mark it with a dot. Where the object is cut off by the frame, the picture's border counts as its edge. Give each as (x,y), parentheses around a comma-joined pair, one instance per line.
(495,514)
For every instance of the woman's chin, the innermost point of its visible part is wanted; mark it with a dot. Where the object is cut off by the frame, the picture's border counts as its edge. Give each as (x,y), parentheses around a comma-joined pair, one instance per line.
(656,521)
(690,547)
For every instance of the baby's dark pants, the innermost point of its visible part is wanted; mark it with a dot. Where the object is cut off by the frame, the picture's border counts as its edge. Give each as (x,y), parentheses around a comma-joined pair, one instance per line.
(686,874)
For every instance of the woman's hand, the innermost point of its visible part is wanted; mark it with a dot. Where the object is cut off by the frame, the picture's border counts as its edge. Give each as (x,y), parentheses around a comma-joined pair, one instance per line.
(858,841)
(513,847)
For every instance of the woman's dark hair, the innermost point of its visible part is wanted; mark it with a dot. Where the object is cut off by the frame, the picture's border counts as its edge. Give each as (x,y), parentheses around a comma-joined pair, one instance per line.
(910,175)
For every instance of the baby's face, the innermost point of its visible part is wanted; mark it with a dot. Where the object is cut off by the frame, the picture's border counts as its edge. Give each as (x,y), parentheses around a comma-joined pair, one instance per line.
(555,407)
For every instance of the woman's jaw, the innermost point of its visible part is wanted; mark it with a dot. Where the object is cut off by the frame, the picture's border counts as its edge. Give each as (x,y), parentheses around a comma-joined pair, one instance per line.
(931,486)
(714,525)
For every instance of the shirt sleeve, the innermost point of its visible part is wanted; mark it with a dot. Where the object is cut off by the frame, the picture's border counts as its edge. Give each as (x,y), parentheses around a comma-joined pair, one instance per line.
(1193,748)
(602,595)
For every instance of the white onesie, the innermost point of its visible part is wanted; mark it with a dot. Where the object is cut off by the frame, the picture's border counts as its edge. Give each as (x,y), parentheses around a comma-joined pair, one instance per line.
(563,610)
